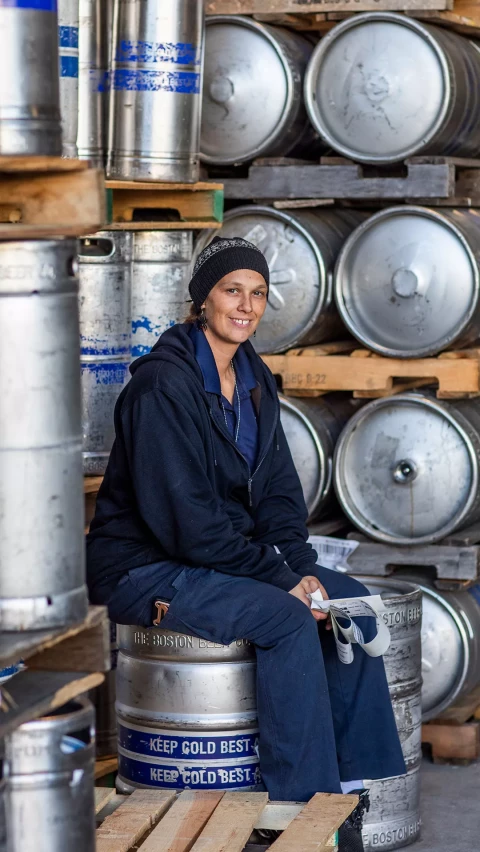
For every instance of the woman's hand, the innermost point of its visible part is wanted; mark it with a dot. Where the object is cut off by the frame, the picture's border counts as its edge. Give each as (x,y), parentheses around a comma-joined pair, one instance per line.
(306,586)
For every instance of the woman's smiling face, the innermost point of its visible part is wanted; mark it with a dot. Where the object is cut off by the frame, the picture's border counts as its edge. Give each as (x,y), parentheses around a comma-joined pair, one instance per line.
(235,306)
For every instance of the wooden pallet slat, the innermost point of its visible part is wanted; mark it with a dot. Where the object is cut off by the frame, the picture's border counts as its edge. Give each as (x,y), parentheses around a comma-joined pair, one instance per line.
(103,795)
(312,829)
(183,823)
(296,7)
(130,822)
(198,205)
(454,563)
(456,743)
(232,823)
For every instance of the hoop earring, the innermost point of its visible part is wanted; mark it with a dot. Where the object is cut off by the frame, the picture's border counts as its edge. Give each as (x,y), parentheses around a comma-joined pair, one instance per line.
(203,319)
(255,333)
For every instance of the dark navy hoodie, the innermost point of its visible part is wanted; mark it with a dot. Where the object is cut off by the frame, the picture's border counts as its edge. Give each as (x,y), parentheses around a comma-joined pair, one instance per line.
(177,488)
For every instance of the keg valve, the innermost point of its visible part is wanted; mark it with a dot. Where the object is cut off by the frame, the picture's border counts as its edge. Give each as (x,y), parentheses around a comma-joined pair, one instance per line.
(405,471)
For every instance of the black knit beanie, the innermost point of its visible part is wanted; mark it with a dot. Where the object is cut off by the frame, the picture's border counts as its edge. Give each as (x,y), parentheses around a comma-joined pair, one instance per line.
(219,258)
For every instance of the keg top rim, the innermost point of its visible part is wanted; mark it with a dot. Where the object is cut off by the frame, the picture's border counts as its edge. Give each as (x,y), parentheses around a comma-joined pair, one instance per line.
(360,307)
(380,90)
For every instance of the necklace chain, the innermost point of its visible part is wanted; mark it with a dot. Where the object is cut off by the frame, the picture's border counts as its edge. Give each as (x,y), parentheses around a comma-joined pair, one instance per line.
(238,403)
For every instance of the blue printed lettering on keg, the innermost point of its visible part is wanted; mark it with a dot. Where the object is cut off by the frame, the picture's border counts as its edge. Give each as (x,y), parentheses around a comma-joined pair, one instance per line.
(68,50)
(191,777)
(37,5)
(168,743)
(136,79)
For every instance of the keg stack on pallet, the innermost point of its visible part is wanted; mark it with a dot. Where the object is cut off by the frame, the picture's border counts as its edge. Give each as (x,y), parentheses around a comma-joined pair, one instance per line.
(53,646)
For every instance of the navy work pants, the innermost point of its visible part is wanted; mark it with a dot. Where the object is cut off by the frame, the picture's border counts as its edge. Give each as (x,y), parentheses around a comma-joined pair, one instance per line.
(321,721)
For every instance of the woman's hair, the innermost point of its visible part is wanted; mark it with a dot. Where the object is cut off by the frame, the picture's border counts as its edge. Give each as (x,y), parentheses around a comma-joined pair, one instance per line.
(193,314)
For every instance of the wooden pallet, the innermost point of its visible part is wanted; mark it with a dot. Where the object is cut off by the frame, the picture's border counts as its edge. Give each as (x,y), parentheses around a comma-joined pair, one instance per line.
(436,180)
(105,766)
(315,370)
(166,206)
(49,197)
(213,821)
(455,565)
(451,743)
(60,664)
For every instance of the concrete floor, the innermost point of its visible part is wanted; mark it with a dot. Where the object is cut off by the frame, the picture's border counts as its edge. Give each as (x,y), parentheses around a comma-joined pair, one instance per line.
(450,809)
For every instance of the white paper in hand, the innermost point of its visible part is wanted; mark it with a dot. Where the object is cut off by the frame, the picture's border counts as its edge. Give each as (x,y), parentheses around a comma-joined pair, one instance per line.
(371,606)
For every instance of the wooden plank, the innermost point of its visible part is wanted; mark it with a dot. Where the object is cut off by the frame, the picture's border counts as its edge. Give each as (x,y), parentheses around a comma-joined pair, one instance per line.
(131,821)
(312,828)
(105,767)
(423,180)
(9,165)
(51,204)
(31,694)
(277,816)
(231,823)
(102,797)
(182,825)
(373,373)
(186,225)
(91,484)
(461,710)
(453,742)
(88,650)
(250,7)
(32,643)
(199,202)
(451,563)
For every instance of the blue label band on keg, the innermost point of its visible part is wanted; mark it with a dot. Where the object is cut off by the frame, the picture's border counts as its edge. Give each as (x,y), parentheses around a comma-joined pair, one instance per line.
(98,348)
(193,748)
(69,66)
(33,5)
(68,36)
(107,374)
(191,777)
(140,80)
(181,53)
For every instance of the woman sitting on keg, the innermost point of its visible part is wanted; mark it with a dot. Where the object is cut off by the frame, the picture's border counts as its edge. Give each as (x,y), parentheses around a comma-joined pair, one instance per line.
(201,519)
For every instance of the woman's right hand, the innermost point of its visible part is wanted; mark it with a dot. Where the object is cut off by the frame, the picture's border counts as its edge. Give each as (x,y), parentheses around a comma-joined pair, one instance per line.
(306,586)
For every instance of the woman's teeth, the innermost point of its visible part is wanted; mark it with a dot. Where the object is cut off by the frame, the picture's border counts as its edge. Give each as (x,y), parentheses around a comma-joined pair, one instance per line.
(240,322)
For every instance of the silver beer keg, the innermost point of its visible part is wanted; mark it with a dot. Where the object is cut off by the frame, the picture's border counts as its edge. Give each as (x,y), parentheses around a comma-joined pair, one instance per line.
(68,56)
(42,571)
(312,427)
(156,88)
(29,91)
(103,699)
(186,712)
(301,248)
(49,773)
(92,77)
(252,91)
(161,273)
(406,468)
(394,817)
(450,644)
(393,281)
(105,338)
(381,87)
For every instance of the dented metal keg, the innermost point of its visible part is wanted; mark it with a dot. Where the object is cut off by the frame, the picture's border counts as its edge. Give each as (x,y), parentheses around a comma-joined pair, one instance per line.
(92,81)
(49,775)
(363,95)
(301,248)
(450,644)
(406,468)
(394,817)
(105,338)
(161,274)
(156,89)
(393,281)
(186,712)
(312,427)
(29,91)
(68,56)
(42,572)
(252,92)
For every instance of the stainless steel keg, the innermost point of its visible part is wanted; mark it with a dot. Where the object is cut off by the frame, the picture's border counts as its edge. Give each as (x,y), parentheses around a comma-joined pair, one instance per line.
(394,817)
(301,248)
(49,769)
(450,644)
(393,281)
(363,95)
(68,55)
(252,92)
(161,273)
(42,571)
(186,711)
(406,468)
(29,91)
(105,338)
(93,51)
(103,699)
(312,427)
(156,91)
